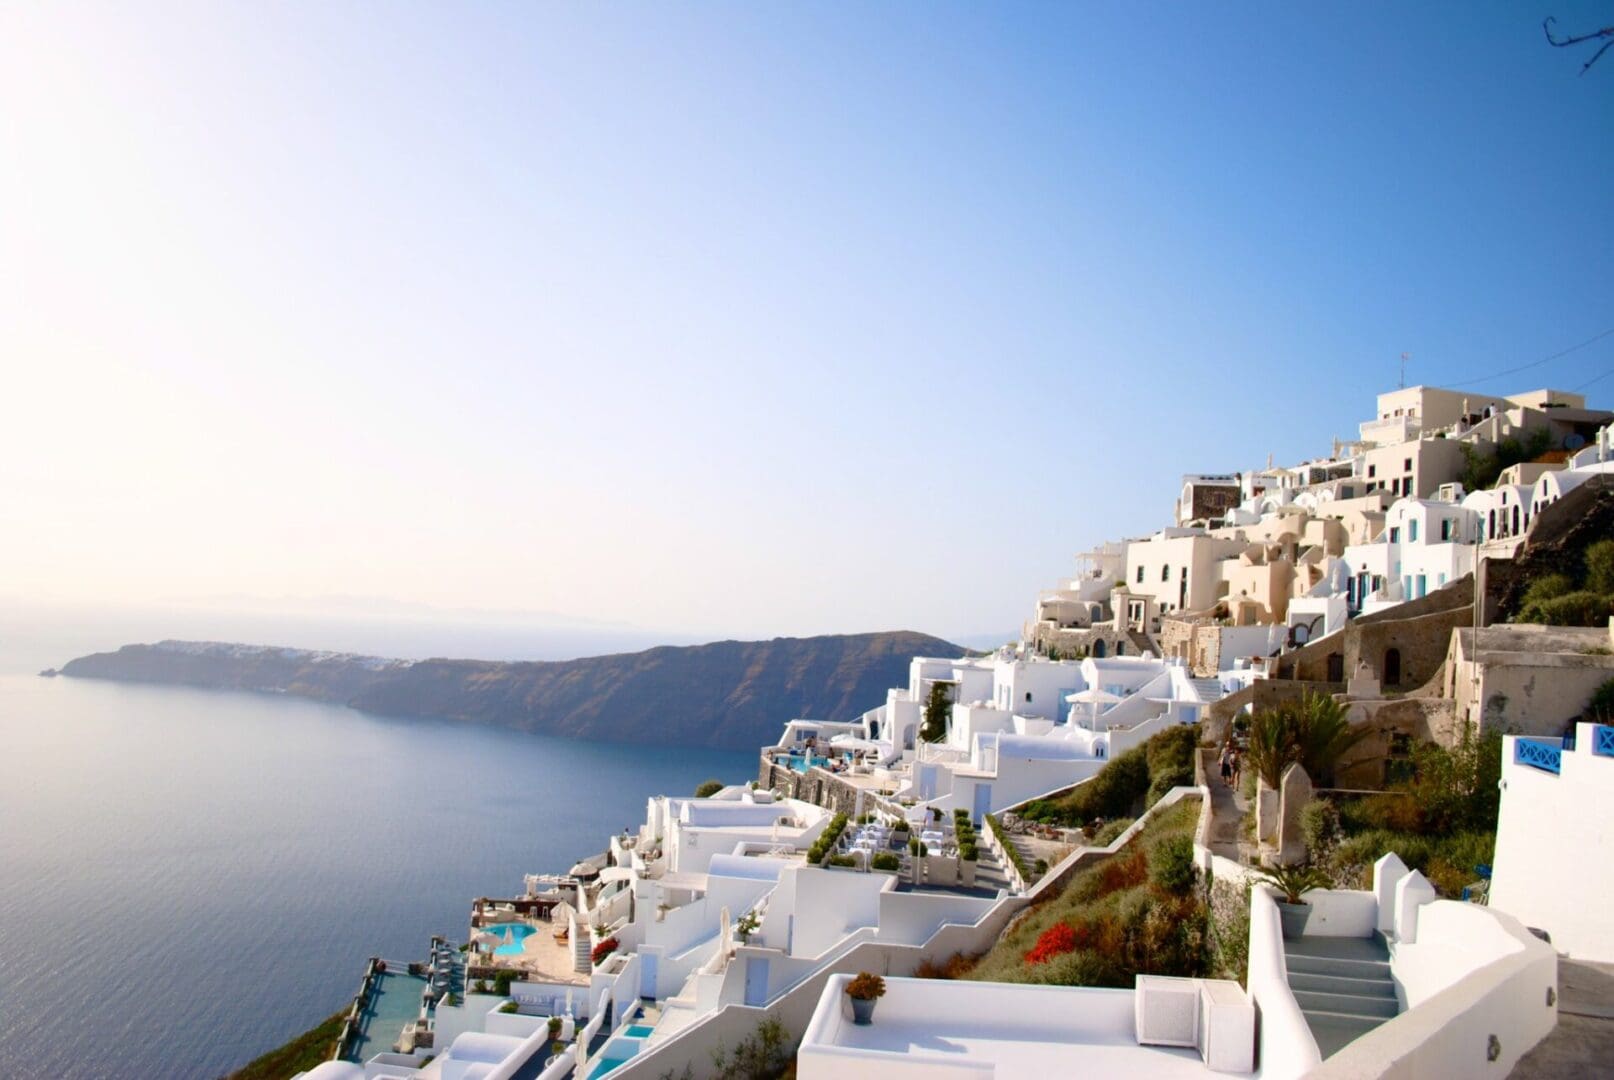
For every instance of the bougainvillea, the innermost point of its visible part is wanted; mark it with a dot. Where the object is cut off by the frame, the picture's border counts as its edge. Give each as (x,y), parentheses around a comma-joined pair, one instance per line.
(1057,940)
(602,950)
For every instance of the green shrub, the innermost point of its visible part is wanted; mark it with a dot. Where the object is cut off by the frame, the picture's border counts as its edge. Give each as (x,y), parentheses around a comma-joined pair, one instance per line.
(1600,567)
(1548,587)
(1580,608)
(1601,705)
(708,788)
(1025,872)
(502,980)
(885,860)
(1319,826)
(509,1007)
(1111,831)
(826,840)
(969,852)
(840,860)
(1171,865)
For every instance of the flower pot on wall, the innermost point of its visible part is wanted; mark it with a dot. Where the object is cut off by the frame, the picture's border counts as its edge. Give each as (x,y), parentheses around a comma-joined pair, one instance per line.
(863,1010)
(1293,917)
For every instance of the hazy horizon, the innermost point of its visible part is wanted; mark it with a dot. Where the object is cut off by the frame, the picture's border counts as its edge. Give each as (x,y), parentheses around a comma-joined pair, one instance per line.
(729,321)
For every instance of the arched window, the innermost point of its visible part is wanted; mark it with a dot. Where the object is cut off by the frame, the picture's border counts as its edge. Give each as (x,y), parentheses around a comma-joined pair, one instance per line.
(1392,667)
(1515,518)
(1098,649)
(1028,697)
(1120,648)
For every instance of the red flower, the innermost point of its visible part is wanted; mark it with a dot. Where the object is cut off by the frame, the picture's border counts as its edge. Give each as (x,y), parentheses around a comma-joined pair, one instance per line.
(1057,940)
(602,950)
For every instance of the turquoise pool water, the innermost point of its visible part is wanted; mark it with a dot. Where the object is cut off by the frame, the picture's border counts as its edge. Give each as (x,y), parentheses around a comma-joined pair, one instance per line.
(605,1065)
(802,762)
(517,934)
(638,1031)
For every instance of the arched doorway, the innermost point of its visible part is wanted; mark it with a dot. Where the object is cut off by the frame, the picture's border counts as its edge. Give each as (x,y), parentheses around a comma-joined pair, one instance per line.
(1392,667)
(1098,649)
(1336,667)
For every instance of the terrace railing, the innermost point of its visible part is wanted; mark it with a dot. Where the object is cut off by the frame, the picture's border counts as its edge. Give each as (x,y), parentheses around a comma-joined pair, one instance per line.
(1546,755)
(1603,740)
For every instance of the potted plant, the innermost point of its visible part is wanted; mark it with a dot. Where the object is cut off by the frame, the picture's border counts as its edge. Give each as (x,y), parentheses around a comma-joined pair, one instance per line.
(747,925)
(865,990)
(1294,882)
(554,1032)
(968,853)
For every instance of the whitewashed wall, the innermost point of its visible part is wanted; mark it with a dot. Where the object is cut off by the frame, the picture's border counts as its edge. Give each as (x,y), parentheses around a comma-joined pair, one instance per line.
(1554,865)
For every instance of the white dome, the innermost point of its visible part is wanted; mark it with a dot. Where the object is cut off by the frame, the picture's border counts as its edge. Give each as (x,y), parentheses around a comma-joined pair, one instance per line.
(335,1070)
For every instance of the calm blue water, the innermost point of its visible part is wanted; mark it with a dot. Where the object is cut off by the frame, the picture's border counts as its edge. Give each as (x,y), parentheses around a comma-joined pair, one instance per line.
(188,878)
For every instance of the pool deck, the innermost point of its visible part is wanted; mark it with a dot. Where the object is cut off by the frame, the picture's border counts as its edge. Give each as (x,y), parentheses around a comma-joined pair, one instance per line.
(542,959)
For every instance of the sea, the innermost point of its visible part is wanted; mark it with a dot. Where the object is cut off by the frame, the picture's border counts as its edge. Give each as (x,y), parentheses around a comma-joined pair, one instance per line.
(188,878)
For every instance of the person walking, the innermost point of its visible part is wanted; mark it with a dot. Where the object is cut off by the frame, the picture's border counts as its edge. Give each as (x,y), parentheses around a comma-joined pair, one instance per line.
(1238,767)
(1227,764)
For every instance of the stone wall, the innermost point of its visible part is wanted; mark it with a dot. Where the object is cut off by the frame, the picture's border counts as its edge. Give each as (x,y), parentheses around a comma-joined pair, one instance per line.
(815,786)
(1556,543)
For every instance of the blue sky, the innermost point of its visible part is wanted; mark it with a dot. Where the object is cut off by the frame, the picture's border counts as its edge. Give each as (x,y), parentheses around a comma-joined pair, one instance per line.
(745,319)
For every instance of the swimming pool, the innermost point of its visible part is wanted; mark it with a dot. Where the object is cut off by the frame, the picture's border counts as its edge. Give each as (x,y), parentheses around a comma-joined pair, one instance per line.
(638,1031)
(605,1065)
(802,762)
(516,933)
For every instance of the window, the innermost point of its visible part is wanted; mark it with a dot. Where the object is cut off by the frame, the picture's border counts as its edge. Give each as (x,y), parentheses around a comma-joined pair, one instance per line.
(1372,471)
(1446,528)
(1395,534)
(1028,697)
(1406,466)
(1423,586)
(1140,575)
(1412,531)
(1165,573)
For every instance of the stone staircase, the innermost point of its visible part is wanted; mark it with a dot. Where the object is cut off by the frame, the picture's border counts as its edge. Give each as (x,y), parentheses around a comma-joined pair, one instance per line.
(1343,987)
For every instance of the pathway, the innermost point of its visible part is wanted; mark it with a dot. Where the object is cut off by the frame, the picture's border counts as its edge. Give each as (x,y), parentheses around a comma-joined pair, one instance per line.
(1582,1045)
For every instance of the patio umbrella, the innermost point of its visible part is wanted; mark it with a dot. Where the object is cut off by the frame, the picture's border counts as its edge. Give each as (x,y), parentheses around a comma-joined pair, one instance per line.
(1094,696)
(484,938)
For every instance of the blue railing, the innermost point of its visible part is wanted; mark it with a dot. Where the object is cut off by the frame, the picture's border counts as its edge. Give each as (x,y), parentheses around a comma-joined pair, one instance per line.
(1603,740)
(1539,754)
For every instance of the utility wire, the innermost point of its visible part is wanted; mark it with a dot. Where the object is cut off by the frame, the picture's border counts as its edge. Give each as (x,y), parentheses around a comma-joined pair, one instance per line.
(1599,379)
(1535,363)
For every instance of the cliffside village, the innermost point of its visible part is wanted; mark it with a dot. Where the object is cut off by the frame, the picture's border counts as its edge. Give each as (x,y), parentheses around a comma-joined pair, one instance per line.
(891,842)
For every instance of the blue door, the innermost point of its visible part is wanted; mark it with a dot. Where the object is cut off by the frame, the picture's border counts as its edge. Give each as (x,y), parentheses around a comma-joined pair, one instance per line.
(983,802)
(927,783)
(647,975)
(756,981)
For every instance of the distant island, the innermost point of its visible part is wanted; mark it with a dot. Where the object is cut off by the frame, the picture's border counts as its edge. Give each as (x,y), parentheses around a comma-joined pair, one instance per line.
(724,695)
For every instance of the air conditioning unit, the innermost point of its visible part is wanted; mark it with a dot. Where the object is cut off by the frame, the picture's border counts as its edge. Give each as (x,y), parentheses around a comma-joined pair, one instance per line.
(1226,1027)
(1166,1010)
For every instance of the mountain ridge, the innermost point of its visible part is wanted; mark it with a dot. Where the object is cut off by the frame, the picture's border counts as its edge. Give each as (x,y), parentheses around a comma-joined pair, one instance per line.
(725,694)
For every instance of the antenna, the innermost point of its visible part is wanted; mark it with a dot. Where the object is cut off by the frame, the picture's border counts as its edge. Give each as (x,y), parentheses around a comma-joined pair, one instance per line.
(1402,385)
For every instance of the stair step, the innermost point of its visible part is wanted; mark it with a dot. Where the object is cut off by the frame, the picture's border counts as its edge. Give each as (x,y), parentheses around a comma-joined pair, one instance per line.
(1341,984)
(1339,966)
(1334,1031)
(1346,1004)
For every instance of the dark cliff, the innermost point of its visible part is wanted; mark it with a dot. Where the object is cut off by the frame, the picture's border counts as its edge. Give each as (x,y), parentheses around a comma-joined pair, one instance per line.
(728,694)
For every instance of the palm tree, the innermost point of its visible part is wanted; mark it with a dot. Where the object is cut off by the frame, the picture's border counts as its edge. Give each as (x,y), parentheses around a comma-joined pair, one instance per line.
(1323,736)
(1312,731)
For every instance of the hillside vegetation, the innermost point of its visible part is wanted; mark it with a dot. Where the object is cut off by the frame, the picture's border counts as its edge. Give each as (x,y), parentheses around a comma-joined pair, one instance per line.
(1137,912)
(1126,785)
(299,1055)
(728,694)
